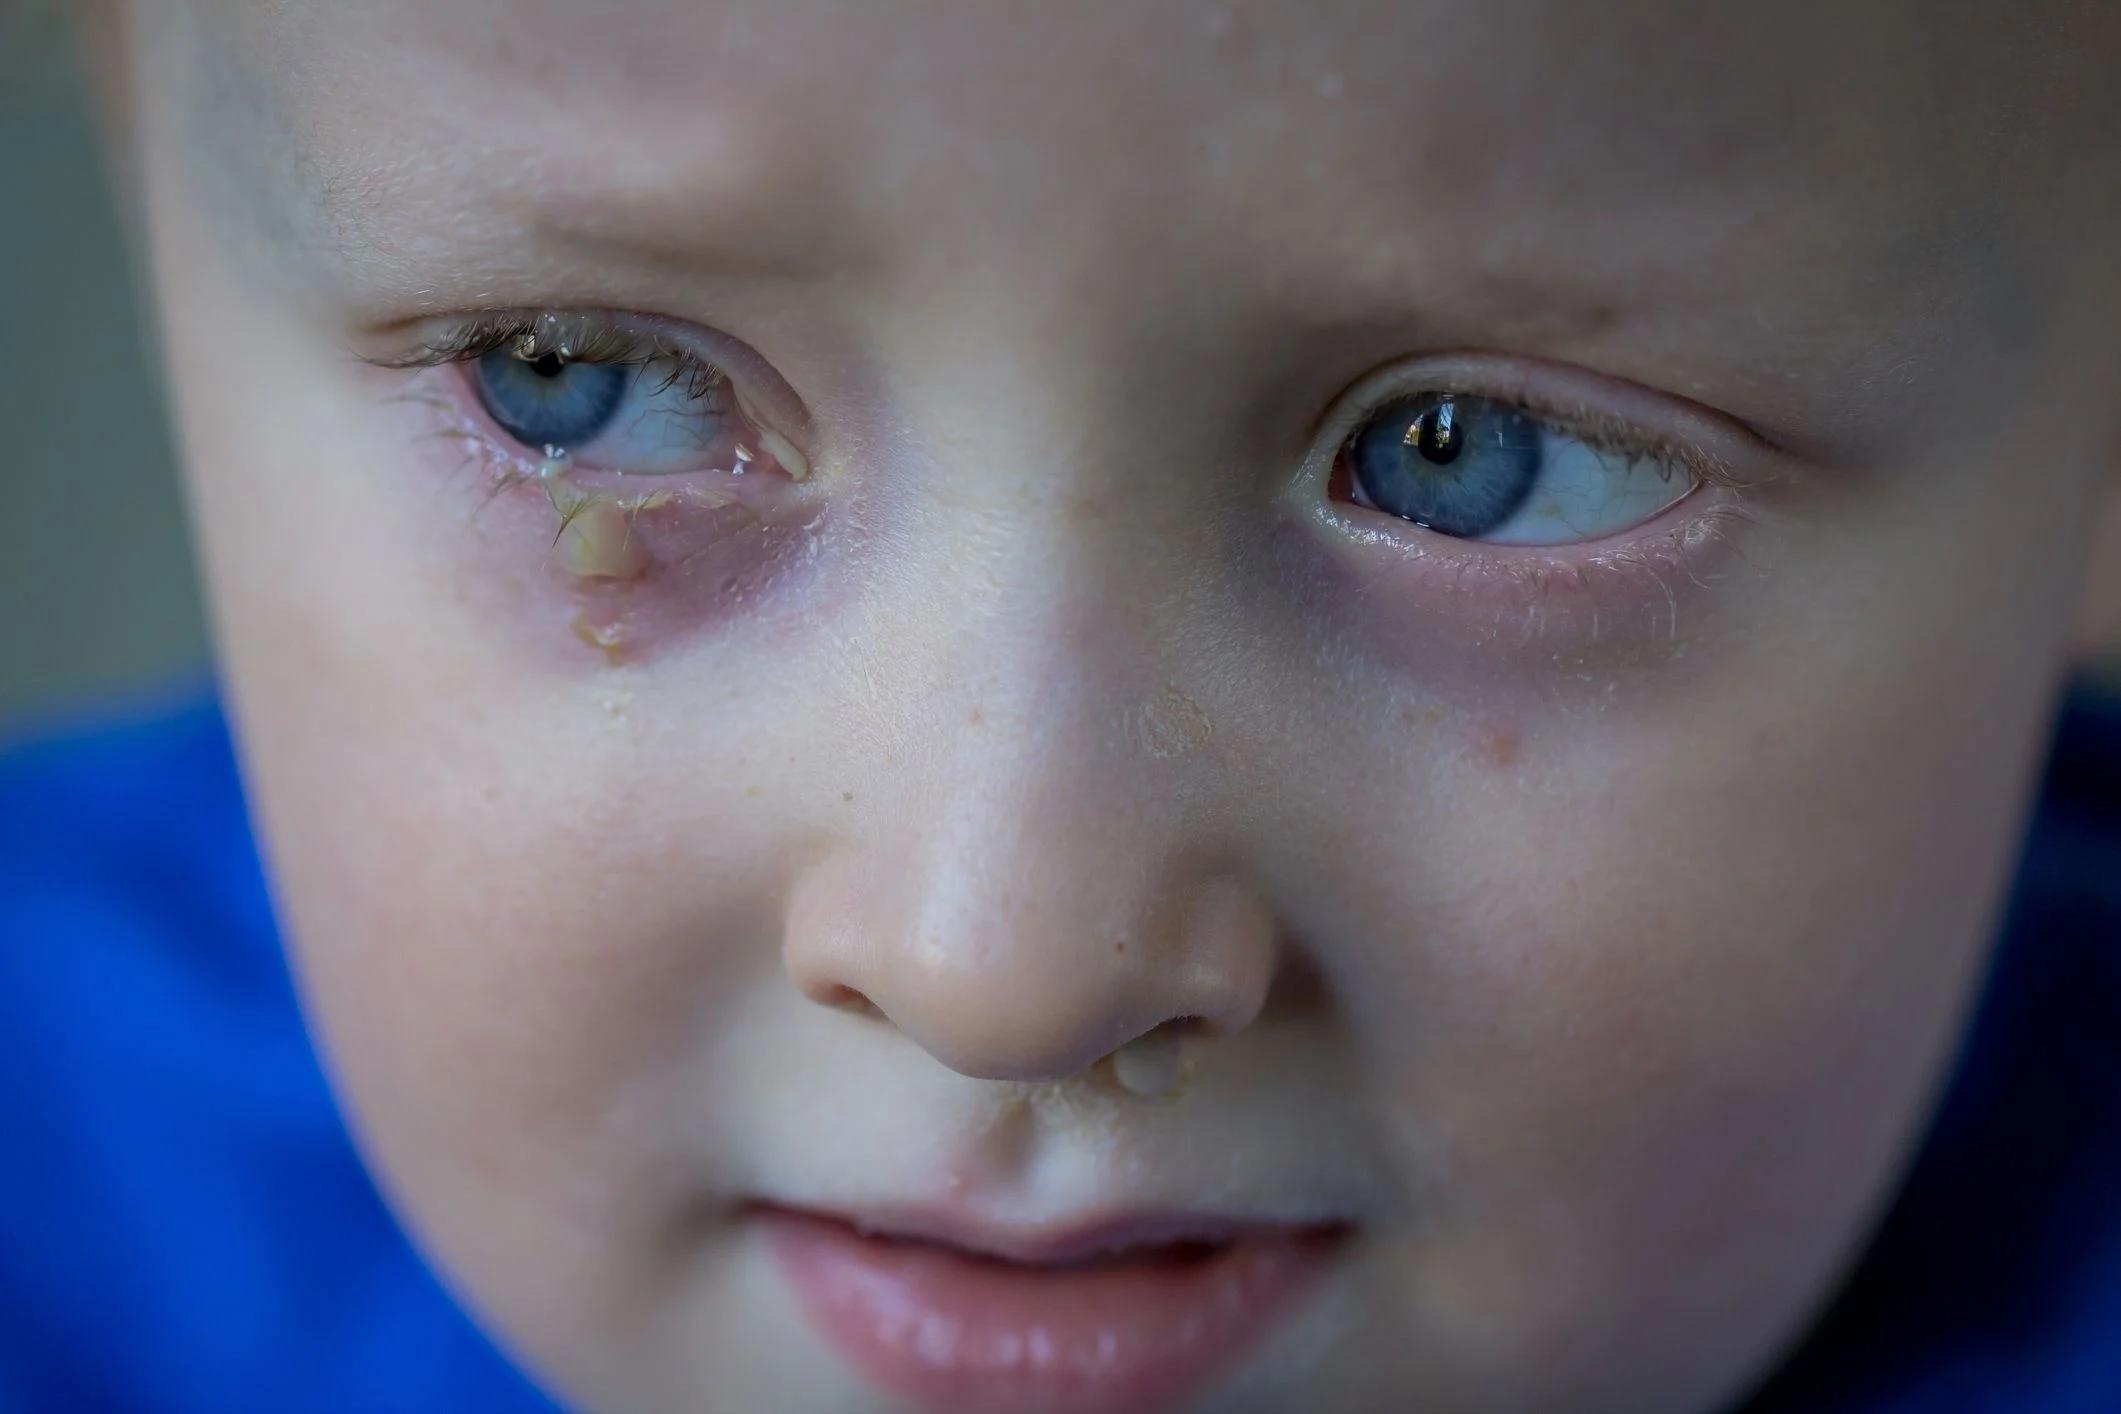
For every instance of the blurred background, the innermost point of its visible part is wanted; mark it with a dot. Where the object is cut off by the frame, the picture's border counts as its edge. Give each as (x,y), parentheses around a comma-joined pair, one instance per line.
(97,599)
(96,592)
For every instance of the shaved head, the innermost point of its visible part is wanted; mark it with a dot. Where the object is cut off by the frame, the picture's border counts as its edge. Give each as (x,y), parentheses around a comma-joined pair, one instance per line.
(1403,642)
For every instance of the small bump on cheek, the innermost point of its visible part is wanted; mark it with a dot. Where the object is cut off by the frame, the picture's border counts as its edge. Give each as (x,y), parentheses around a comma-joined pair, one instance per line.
(1483,741)
(1494,746)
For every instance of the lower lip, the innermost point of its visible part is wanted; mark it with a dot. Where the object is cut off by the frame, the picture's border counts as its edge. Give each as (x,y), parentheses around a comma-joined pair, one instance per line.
(952,1331)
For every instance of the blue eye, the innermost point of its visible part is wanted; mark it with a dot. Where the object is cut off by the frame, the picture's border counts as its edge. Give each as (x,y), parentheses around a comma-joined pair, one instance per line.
(653,415)
(1477,469)
(548,400)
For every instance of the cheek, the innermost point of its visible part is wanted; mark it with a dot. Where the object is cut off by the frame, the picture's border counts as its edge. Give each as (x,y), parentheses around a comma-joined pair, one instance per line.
(509,860)
(517,942)
(1653,998)
(1471,627)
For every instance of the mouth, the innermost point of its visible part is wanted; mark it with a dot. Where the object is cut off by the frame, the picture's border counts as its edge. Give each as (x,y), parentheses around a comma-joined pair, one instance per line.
(1130,1314)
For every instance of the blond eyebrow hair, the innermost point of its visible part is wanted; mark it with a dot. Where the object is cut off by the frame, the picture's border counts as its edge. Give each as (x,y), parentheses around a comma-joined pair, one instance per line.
(1909,278)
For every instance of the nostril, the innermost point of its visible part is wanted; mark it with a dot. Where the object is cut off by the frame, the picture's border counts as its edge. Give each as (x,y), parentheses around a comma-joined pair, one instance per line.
(844,998)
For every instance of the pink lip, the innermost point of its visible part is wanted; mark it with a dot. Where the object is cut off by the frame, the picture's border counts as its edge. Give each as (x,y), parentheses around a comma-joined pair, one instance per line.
(1121,1316)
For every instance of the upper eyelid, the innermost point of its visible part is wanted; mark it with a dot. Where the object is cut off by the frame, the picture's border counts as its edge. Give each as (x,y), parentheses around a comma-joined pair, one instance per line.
(1718,449)
(1713,453)
(594,342)
(628,337)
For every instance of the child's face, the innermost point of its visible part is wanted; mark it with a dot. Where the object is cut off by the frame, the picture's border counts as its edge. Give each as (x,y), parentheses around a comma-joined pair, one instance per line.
(1565,905)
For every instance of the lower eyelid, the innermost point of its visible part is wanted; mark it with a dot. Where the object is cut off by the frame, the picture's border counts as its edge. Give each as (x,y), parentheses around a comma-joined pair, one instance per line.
(1376,527)
(580,466)
(1475,631)
(699,555)
(1643,590)
(493,469)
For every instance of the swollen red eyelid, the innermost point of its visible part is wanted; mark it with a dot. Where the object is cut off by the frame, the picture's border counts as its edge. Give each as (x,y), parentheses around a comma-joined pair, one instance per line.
(606,578)
(601,568)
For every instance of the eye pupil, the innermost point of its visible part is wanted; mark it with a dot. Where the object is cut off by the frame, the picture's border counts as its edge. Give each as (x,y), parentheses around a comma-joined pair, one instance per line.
(1436,434)
(547,364)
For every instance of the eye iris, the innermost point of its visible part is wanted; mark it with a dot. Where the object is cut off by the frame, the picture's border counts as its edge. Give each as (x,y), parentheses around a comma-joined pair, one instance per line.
(1458,465)
(548,399)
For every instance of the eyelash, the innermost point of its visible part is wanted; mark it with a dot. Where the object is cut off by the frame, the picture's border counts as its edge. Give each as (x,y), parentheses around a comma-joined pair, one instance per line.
(1547,393)
(1586,591)
(610,339)
(1588,423)
(580,339)
(587,339)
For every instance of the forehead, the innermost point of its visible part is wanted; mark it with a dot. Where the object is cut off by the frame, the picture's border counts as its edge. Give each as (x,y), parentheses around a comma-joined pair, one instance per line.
(1574,95)
(1571,161)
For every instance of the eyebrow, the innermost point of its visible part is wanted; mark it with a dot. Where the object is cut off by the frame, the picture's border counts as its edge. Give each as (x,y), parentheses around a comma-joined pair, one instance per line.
(455,222)
(643,198)
(370,226)
(448,237)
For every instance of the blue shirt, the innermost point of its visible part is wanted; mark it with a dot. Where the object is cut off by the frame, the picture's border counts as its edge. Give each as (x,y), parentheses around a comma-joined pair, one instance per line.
(184,1227)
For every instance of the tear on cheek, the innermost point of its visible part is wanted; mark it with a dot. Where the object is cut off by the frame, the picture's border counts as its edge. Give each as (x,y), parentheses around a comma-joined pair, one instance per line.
(597,576)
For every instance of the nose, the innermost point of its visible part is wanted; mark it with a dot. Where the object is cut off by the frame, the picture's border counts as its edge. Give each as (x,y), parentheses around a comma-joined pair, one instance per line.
(1050,857)
(1037,892)
(1031,954)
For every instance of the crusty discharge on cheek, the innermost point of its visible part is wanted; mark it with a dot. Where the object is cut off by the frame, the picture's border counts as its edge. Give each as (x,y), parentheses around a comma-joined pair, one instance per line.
(593,574)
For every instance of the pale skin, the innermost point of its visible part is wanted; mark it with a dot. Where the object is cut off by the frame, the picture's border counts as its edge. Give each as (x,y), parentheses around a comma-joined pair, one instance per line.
(1588,925)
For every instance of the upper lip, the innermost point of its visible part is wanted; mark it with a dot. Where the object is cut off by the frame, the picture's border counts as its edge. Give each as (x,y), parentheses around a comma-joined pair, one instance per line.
(1059,1243)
